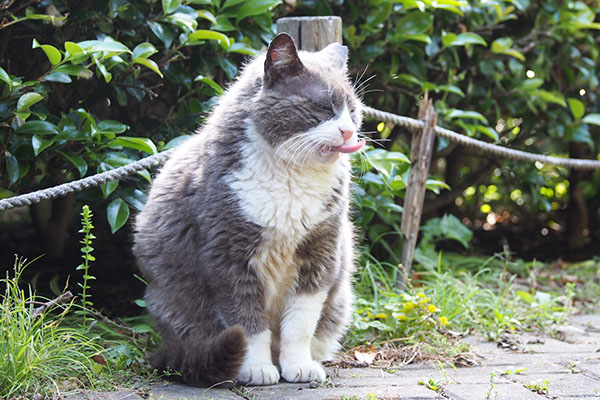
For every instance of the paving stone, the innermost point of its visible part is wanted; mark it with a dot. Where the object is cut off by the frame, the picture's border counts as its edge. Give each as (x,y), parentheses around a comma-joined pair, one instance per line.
(87,395)
(591,369)
(175,391)
(409,392)
(587,321)
(556,346)
(501,391)
(551,359)
(563,385)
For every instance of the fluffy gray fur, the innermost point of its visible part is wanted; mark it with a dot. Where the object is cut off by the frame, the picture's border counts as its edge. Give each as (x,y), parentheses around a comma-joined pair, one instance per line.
(194,243)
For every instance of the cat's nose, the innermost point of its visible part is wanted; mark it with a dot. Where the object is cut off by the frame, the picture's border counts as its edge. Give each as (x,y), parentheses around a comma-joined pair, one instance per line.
(346,133)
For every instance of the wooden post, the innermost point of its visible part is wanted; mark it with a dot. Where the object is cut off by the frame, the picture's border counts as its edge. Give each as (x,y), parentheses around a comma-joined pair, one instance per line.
(312,33)
(420,156)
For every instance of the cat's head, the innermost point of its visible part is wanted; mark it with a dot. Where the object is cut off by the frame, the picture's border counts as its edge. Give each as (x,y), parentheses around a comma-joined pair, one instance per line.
(307,109)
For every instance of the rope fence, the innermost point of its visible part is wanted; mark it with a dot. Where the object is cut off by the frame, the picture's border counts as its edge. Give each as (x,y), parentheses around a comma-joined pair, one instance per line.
(410,123)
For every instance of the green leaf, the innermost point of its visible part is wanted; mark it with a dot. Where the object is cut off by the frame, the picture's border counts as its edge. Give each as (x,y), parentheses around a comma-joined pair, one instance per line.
(577,107)
(143,144)
(4,77)
(148,64)
(27,100)
(117,214)
(40,144)
(415,22)
(503,46)
(75,70)
(143,50)
(73,49)
(108,125)
(107,45)
(12,168)
(203,34)
(551,97)
(38,128)
(163,32)
(452,89)
(486,130)
(468,38)
(214,85)
(223,24)
(448,38)
(593,119)
(207,15)
(243,48)
(57,77)
(531,84)
(52,52)
(76,160)
(109,187)
(256,7)
(169,6)
(466,114)
(231,3)
(184,21)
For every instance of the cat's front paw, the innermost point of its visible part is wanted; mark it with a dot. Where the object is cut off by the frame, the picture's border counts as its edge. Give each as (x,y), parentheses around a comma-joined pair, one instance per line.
(306,371)
(258,375)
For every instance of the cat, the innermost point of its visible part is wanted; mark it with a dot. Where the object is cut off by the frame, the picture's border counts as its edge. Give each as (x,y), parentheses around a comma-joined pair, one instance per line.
(246,240)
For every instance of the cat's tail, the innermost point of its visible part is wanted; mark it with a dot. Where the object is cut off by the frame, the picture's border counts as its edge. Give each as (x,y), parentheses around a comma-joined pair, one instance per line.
(204,362)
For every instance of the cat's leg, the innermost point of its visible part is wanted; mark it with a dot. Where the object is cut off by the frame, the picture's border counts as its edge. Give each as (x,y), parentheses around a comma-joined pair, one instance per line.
(257,367)
(334,320)
(298,326)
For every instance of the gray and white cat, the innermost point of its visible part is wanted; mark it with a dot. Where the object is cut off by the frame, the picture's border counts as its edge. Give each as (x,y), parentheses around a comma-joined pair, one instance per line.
(245,239)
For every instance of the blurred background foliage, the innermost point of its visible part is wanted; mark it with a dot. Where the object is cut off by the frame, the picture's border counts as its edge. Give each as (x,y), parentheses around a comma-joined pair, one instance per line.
(90,86)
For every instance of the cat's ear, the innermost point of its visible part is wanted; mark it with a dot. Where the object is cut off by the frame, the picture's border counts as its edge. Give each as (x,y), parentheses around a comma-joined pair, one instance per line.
(337,54)
(282,58)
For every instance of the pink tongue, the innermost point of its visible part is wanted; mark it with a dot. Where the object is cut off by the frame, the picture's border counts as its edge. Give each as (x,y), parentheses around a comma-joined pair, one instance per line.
(350,148)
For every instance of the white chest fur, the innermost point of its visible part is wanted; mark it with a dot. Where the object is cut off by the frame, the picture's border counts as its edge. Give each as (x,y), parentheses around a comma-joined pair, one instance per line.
(280,197)
(287,203)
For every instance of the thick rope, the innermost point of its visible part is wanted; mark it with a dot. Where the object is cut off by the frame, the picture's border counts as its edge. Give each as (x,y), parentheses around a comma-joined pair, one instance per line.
(85,183)
(411,123)
(414,124)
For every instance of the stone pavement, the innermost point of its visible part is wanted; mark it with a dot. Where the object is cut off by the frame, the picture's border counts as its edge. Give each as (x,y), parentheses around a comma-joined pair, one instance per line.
(528,367)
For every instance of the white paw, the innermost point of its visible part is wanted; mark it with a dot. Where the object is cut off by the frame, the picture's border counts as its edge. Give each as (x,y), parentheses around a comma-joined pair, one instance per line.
(258,375)
(306,371)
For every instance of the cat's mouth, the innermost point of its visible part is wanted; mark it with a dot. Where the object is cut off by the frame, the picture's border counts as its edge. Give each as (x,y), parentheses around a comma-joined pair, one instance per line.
(346,147)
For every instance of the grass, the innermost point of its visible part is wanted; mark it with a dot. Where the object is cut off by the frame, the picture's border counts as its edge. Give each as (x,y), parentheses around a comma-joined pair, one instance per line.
(38,353)
(456,295)
(49,347)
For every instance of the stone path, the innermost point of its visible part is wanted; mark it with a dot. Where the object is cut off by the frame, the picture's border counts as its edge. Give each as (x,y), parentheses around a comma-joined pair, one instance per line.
(531,368)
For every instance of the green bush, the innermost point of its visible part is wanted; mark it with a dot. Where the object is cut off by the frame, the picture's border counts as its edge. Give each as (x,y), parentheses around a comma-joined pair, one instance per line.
(90,86)
(520,73)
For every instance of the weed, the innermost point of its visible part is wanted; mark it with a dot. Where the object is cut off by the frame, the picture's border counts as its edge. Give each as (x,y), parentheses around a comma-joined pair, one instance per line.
(431,385)
(513,371)
(539,387)
(572,367)
(368,396)
(86,250)
(38,352)
(492,388)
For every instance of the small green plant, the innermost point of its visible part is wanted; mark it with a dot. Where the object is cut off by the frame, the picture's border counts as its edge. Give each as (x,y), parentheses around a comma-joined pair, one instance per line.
(539,387)
(513,371)
(492,392)
(86,250)
(37,349)
(431,385)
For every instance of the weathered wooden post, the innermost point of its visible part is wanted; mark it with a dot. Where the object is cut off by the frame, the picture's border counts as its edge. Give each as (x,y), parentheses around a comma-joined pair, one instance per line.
(420,157)
(312,33)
